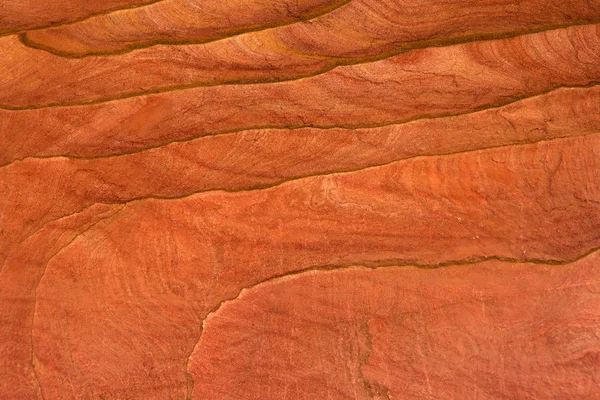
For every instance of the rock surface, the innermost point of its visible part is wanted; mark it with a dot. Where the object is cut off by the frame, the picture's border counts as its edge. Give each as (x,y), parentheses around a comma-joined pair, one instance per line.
(19,15)
(312,199)
(508,330)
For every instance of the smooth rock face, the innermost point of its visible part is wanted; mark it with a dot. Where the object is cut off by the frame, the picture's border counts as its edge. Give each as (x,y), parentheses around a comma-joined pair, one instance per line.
(175,22)
(507,330)
(314,199)
(19,15)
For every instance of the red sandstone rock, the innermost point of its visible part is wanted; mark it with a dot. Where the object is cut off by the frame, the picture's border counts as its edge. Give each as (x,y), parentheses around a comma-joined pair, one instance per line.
(423,83)
(262,158)
(162,265)
(28,14)
(489,331)
(180,22)
(559,55)
(350,29)
(22,269)
(157,243)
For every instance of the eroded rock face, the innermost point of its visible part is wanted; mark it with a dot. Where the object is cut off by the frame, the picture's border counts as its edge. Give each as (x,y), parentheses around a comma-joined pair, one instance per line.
(337,28)
(299,199)
(162,265)
(508,330)
(422,84)
(476,74)
(178,22)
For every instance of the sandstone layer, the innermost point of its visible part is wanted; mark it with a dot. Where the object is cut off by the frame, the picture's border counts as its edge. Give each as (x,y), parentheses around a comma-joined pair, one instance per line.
(401,332)
(30,14)
(314,199)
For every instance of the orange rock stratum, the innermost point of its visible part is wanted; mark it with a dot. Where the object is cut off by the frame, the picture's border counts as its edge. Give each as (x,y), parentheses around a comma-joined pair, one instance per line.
(300,199)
